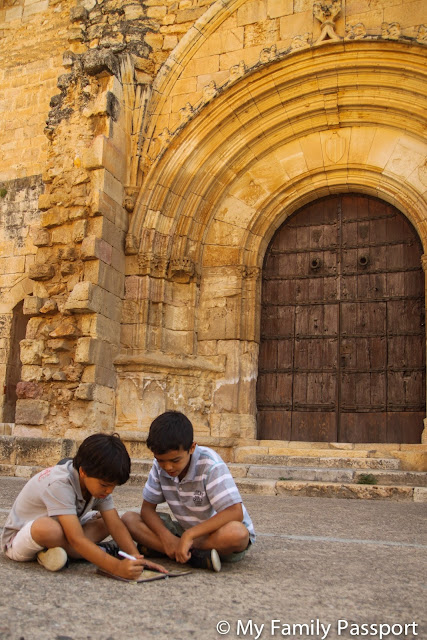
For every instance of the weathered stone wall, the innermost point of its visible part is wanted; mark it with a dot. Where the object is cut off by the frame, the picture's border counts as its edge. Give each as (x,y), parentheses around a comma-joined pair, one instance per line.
(178,138)
(19,220)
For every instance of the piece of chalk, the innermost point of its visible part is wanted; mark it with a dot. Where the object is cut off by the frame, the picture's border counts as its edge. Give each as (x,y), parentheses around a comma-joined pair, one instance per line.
(126,555)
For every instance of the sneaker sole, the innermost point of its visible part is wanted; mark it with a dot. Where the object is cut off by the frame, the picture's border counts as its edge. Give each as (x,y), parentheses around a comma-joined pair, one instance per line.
(53,559)
(216,561)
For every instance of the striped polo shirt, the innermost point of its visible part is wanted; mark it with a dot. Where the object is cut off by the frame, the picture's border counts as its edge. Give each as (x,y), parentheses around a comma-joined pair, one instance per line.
(207,488)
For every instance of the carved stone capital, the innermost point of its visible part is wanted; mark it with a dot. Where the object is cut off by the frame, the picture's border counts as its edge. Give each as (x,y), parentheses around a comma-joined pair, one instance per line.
(249,273)
(150,264)
(181,270)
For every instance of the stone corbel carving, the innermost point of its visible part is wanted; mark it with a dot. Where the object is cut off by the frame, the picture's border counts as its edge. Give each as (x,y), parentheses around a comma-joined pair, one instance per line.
(422,34)
(164,138)
(268,54)
(186,112)
(300,42)
(150,264)
(237,70)
(181,270)
(390,31)
(209,91)
(129,200)
(326,13)
(355,31)
(131,245)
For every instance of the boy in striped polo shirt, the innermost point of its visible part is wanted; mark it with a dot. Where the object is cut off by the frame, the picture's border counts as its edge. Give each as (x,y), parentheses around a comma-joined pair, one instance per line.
(211,523)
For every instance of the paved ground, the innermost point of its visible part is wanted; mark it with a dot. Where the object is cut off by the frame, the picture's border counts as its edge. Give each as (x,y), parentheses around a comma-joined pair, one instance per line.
(316,561)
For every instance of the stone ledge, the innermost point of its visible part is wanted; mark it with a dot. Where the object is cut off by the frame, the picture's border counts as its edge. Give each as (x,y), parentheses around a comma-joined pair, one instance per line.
(338,490)
(192,365)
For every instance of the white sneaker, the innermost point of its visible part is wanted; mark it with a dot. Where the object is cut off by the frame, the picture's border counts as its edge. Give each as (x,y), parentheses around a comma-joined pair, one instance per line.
(53,559)
(205,559)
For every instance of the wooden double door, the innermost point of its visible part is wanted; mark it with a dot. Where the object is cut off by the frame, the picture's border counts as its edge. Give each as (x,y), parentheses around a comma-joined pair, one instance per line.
(342,351)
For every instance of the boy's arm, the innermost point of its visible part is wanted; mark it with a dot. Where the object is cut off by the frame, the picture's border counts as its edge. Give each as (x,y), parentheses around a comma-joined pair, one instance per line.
(154,522)
(230,514)
(120,533)
(73,531)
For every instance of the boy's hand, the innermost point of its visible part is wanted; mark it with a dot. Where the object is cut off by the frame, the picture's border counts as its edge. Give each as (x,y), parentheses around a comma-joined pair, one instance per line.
(182,553)
(170,544)
(154,566)
(131,569)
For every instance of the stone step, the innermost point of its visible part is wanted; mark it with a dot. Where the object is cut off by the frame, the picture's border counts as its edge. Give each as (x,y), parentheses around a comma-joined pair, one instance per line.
(315,474)
(265,480)
(321,482)
(325,460)
(141,469)
(331,490)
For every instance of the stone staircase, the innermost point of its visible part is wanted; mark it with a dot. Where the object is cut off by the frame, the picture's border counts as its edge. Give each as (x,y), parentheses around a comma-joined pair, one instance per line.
(320,476)
(263,467)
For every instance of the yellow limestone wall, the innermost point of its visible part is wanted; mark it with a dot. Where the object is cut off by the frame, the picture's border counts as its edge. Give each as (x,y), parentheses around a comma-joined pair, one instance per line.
(178,139)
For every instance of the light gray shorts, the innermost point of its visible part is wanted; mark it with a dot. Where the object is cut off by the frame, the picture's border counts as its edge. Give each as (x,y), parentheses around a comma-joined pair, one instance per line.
(174,527)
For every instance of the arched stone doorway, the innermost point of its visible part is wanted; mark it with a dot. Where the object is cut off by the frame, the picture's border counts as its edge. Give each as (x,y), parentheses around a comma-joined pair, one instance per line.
(342,352)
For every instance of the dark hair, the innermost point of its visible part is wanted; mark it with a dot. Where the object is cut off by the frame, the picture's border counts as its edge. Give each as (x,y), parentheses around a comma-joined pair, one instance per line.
(105,457)
(170,431)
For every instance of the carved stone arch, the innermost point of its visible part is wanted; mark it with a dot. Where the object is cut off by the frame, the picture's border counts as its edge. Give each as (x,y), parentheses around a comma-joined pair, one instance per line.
(318,122)
(172,68)
(219,145)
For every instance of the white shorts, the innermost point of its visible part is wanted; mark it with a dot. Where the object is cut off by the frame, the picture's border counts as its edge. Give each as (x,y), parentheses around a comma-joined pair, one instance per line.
(23,548)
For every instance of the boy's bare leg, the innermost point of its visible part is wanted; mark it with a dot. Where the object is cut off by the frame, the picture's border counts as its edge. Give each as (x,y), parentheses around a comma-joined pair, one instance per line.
(141,533)
(230,538)
(233,537)
(48,533)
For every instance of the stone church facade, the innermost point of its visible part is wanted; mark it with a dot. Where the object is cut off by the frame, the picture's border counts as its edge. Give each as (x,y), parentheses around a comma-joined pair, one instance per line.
(151,154)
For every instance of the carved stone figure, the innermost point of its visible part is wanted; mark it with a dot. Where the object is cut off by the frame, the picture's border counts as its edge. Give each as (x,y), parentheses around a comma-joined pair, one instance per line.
(355,31)
(326,13)
(186,112)
(300,42)
(237,70)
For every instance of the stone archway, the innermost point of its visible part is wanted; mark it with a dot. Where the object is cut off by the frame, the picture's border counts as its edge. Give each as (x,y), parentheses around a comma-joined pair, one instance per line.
(209,208)
(342,351)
